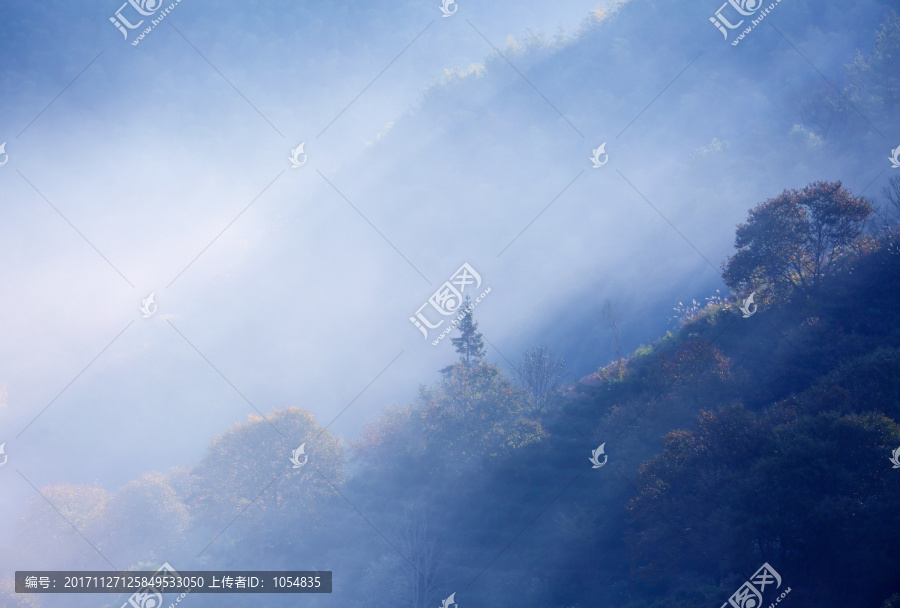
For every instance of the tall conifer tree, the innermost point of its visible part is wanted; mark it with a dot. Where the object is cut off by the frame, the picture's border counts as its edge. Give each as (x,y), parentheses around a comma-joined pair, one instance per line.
(470,343)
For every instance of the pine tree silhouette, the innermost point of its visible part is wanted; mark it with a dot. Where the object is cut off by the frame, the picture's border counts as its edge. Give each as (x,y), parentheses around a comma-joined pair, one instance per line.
(470,343)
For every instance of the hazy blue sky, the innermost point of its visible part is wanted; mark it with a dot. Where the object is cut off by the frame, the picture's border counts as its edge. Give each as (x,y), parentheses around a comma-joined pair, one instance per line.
(444,156)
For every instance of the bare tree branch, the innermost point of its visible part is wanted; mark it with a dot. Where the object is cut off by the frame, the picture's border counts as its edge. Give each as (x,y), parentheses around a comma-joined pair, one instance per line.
(543,374)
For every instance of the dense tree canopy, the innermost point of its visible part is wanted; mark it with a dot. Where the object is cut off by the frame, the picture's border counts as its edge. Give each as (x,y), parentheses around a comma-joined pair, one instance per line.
(49,527)
(743,489)
(797,238)
(164,518)
(248,472)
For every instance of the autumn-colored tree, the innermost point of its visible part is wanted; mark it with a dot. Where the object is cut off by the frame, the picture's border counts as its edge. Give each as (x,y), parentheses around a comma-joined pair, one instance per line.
(248,473)
(797,238)
(57,529)
(164,520)
(474,414)
(393,434)
(694,369)
(686,493)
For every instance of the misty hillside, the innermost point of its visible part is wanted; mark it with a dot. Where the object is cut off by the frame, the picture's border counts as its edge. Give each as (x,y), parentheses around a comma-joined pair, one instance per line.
(756,433)
(229,339)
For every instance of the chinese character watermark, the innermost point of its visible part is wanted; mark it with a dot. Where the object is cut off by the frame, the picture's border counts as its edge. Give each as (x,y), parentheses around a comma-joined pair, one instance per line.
(733,18)
(448,300)
(128,19)
(750,594)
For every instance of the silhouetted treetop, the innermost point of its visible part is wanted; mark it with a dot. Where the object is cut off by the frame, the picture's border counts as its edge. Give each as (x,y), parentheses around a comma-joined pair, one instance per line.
(470,343)
(797,238)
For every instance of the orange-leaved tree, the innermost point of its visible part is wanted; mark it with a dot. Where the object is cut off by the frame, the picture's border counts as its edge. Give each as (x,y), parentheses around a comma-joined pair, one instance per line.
(798,238)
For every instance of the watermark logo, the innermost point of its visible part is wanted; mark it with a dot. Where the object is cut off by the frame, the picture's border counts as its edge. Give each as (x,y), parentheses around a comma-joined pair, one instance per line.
(4,457)
(745,307)
(450,602)
(298,157)
(296,454)
(750,594)
(446,6)
(447,301)
(144,599)
(895,460)
(126,18)
(148,307)
(5,156)
(595,456)
(894,158)
(732,18)
(596,157)
(146,8)
(150,598)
